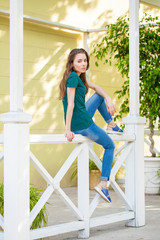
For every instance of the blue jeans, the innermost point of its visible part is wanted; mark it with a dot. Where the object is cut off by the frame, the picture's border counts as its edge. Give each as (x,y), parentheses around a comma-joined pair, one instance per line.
(98,135)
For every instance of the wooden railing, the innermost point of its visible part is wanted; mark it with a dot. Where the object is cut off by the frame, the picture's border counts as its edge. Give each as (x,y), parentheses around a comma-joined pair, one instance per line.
(84,210)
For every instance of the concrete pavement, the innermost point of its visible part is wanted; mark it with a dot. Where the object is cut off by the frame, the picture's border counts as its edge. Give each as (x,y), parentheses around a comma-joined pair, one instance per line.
(59,213)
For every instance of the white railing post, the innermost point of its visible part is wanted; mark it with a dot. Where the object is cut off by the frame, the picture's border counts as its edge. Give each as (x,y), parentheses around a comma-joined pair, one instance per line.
(134,169)
(16,138)
(83,188)
(16,176)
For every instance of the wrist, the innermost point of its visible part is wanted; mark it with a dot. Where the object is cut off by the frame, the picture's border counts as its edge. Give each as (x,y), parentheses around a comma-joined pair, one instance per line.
(67,129)
(108,98)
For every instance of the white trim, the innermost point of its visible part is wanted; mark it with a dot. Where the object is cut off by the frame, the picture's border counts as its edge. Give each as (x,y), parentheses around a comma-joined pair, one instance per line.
(56,229)
(67,164)
(121,159)
(112,218)
(40,204)
(134,57)
(94,204)
(15,117)
(60,138)
(16,55)
(83,188)
(69,204)
(121,194)
(39,167)
(44,22)
(56,24)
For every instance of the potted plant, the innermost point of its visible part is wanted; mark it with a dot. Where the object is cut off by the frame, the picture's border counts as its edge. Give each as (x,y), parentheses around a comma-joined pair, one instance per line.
(35,194)
(115,45)
(94,174)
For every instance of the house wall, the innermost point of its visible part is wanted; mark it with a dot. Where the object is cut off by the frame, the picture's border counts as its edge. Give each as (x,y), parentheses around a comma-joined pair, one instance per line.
(45,53)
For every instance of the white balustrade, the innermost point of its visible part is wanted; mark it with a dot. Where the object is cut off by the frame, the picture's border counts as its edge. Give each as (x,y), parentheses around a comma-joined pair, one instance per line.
(84,211)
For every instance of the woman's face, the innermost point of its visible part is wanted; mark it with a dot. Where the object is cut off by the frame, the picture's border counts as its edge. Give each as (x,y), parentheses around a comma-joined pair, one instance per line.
(80,63)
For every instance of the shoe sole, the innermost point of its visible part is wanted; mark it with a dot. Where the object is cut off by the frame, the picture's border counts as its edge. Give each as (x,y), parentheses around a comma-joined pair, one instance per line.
(114,132)
(101,194)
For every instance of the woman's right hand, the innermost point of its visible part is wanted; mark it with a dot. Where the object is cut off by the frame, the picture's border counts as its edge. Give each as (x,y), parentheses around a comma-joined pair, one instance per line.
(69,135)
(110,106)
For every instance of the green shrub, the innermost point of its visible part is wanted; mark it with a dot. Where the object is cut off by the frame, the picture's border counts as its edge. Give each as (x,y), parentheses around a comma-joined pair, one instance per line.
(35,194)
(115,46)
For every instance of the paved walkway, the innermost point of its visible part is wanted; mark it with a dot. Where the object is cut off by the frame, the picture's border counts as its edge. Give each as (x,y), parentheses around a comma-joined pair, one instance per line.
(59,213)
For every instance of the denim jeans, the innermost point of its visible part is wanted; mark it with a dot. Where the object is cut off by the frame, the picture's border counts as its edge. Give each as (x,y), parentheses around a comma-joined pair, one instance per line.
(98,135)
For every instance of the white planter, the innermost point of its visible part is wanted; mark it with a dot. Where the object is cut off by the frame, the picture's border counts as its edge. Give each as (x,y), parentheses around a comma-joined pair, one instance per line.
(152,182)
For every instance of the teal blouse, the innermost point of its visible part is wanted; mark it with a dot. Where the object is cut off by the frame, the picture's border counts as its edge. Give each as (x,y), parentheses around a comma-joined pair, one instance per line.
(80,118)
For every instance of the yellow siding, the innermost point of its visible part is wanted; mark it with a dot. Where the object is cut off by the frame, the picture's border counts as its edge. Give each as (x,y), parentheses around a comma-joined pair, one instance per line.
(45,53)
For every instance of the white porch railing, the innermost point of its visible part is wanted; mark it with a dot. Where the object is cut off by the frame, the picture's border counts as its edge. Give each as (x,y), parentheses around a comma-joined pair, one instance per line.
(146,142)
(84,210)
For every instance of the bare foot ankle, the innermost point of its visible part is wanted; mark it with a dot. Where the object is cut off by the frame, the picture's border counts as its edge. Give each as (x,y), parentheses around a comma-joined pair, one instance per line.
(112,123)
(103,184)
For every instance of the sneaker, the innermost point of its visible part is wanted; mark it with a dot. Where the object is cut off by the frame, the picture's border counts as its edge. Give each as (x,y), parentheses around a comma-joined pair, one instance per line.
(113,130)
(103,192)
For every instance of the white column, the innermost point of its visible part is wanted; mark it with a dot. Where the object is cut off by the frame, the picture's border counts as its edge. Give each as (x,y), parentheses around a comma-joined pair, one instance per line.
(16,55)
(86,46)
(16,175)
(83,188)
(134,56)
(134,170)
(86,43)
(16,138)
(134,124)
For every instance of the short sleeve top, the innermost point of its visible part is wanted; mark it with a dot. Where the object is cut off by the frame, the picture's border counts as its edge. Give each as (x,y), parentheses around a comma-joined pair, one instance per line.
(80,118)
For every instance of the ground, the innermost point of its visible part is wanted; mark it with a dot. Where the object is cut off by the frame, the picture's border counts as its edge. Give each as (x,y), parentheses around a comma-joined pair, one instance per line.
(59,213)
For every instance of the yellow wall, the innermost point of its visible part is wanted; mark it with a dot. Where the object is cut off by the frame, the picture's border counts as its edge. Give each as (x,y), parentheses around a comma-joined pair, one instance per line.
(45,53)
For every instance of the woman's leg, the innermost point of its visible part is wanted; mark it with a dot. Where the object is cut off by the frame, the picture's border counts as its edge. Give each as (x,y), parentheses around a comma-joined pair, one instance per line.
(98,135)
(97,102)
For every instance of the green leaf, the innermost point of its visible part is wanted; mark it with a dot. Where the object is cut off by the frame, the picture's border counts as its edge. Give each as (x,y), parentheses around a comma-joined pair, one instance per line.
(114,47)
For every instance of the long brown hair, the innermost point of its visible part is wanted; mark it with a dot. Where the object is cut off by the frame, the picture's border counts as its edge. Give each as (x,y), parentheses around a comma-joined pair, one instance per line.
(69,69)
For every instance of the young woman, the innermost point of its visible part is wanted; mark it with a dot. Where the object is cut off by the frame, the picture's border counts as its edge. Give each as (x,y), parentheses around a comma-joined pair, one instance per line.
(78,114)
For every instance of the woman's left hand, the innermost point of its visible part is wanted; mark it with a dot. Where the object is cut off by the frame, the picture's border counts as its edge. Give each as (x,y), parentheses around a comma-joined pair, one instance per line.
(69,135)
(110,106)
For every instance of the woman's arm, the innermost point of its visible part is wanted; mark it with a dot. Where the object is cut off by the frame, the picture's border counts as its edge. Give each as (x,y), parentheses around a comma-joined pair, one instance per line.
(70,107)
(100,91)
